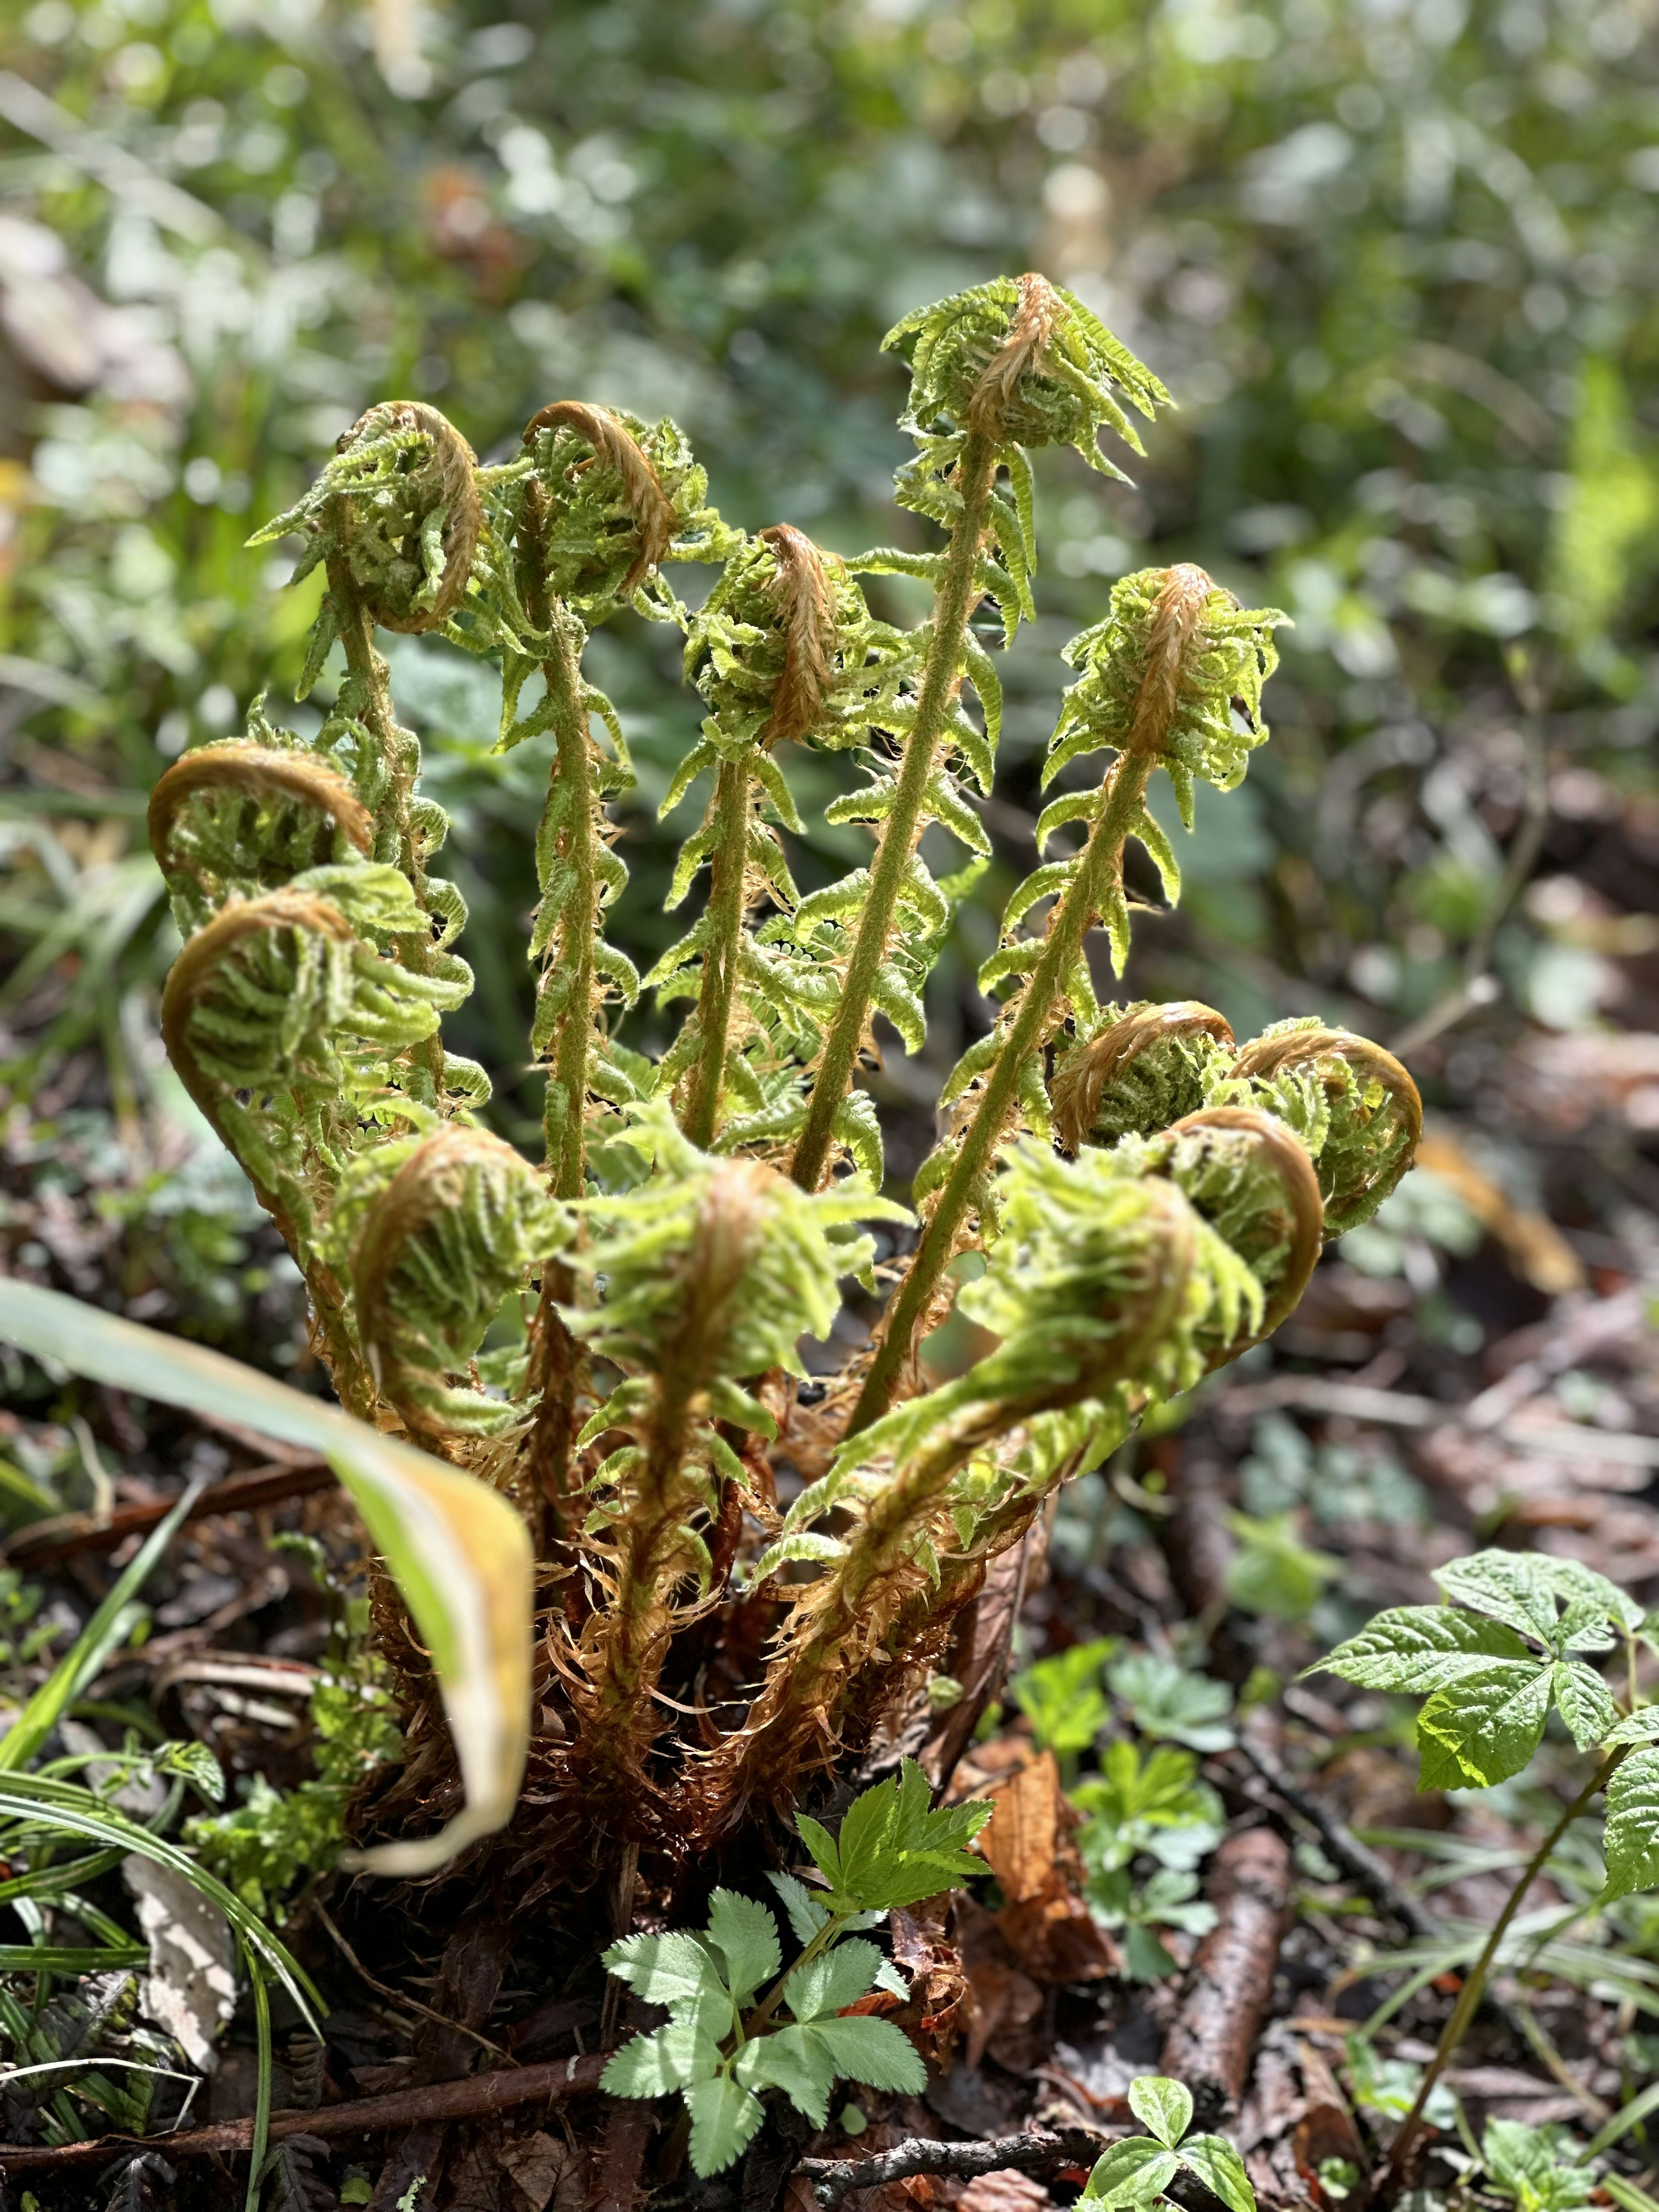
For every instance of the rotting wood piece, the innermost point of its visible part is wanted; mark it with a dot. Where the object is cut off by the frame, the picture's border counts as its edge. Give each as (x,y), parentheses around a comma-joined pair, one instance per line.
(1231,1978)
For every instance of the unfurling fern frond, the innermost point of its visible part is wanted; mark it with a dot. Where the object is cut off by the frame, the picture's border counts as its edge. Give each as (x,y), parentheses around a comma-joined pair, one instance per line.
(784,647)
(1119,1279)
(1140,1068)
(241,819)
(1012,363)
(1160,678)
(1353,1104)
(398,508)
(435,1234)
(713,1272)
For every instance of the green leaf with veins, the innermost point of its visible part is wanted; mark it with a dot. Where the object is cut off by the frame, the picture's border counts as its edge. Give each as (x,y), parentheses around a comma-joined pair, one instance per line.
(1630,1841)
(1133,2172)
(1221,2170)
(893,1849)
(806,1915)
(1166,1700)
(670,2057)
(1486,1727)
(1585,1703)
(1422,1648)
(872,2052)
(676,1971)
(1507,1585)
(1163,2107)
(835,1977)
(794,2060)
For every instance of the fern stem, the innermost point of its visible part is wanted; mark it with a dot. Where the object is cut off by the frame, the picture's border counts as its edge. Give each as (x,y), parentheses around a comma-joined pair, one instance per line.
(1034,1021)
(356,635)
(727,905)
(1474,1983)
(578,925)
(954,601)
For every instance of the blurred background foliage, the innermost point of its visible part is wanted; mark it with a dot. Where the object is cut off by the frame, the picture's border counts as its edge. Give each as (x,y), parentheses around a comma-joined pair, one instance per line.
(1397,263)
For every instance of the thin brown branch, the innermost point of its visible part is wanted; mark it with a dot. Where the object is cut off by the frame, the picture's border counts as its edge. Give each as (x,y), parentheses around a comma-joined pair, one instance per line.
(247,1493)
(1037,2153)
(471,2097)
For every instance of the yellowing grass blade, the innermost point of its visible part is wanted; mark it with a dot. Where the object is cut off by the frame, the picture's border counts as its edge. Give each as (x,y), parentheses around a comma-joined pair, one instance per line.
(460,1554)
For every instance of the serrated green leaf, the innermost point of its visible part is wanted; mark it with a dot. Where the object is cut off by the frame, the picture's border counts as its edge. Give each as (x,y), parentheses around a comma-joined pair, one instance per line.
(1585,1702)
(806,1915)
(872,2052)
(835,1977)
(1421,1648)
(724,2115)
(670,2057)
(1163,2107)
(1166,1701)
(676,1971)
(1486,1727)
(1640,1726)
(1630,1842)
(744,1938)
(1221,2170)
(894,1849)
(1133,2172)
(1507,1585)
(822,1845)
(794,2060)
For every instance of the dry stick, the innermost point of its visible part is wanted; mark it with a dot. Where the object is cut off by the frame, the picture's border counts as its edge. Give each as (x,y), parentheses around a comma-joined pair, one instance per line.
(1179,605)
(1038,2153)
(726,903)
(953,603)
(1231,1981)
(258,1487)
(1475,1982)
(470,2098)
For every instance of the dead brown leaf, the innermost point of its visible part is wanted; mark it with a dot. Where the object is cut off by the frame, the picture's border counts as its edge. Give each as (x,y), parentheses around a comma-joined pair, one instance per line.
(1028,1844)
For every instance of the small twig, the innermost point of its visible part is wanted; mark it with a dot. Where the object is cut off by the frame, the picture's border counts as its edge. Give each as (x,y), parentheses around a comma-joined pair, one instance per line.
(1357,1860)
(238,1493)
(833,2178)
(473,2096)
(398,1997)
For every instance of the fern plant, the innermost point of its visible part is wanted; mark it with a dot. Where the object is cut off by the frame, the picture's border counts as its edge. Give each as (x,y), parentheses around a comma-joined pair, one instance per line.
(615,1348)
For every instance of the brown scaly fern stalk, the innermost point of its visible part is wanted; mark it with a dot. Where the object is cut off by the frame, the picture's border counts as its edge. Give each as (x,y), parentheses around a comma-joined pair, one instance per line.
(624,1641)
(1097,884)
(840,1626)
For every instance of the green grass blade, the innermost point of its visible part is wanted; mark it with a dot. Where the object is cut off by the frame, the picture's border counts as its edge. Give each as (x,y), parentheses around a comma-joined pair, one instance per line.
(81,1662)
(459,1551)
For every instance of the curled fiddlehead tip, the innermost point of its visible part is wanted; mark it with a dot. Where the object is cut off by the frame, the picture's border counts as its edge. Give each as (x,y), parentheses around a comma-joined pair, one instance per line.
(1250,1177)
(267,805)
(806,609)
(1354,1104)
(439,1230)
(412,513)
(1142,1069)
(1022,362)
(614,451)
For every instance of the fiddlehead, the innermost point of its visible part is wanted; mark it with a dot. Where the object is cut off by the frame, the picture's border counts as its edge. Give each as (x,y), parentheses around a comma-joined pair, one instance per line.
(1008,364)
(241,819)
(1351,1103)
(777,651)
(434,1233)
(1160,677)
(1141,1067)
(713,1272)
